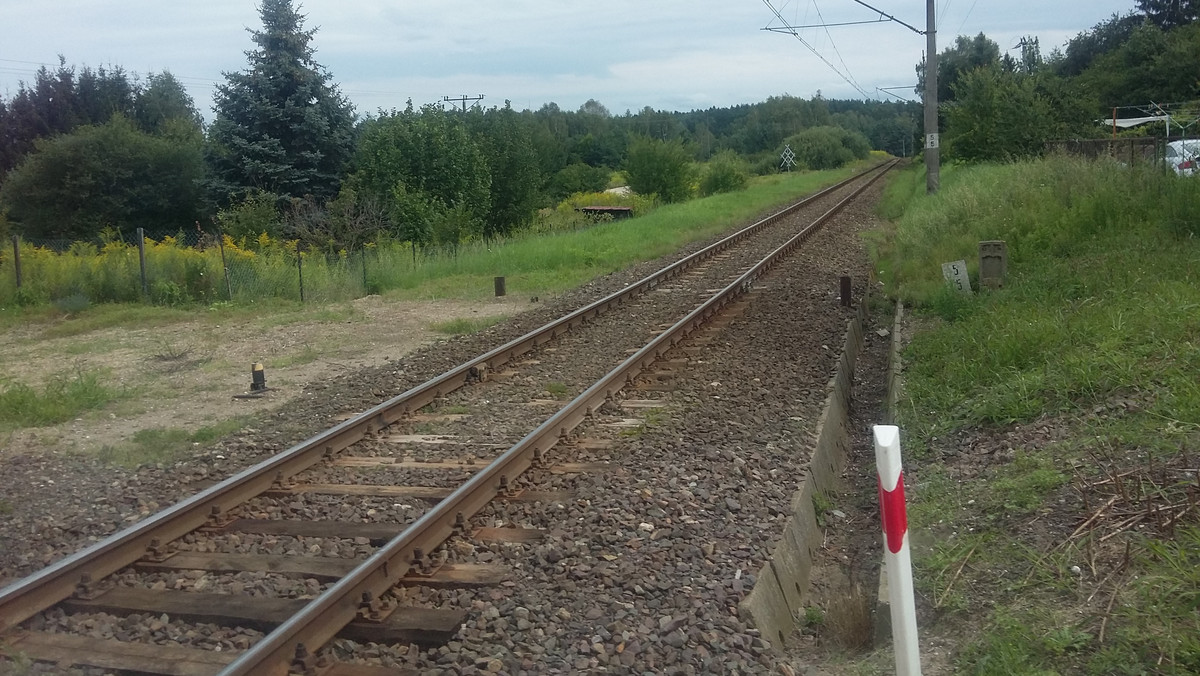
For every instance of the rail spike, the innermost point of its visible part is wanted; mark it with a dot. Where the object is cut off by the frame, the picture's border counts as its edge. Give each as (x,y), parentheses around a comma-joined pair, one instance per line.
(374,609)
(305,663)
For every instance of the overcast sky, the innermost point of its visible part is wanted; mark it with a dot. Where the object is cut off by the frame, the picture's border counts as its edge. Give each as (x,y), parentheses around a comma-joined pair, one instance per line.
(666,54)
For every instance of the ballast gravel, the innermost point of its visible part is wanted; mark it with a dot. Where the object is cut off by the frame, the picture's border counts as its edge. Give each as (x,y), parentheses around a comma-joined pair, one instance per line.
(641,567)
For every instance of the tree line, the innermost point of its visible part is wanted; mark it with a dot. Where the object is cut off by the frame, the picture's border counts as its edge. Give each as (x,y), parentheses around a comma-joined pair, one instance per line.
(89,151)
(996,106)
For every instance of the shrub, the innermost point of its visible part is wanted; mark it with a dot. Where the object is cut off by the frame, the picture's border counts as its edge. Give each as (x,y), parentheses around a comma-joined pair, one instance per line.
(662,168)
(726,172)
(254,215)
(828,147)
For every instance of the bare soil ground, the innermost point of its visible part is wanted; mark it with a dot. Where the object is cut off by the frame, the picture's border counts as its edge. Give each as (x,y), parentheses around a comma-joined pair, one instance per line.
(185,375)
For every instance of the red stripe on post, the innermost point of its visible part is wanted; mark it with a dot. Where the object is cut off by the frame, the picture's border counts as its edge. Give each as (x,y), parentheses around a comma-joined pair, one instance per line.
(895,517)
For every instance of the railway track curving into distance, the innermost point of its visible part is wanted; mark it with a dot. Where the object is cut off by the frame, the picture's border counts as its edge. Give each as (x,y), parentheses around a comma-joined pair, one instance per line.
(343,534)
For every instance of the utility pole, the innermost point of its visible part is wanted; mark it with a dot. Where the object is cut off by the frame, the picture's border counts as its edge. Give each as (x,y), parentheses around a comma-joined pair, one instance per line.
(933,166)
(464,98)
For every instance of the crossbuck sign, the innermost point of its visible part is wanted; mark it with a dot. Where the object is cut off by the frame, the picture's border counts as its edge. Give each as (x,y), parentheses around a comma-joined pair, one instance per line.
(789,157)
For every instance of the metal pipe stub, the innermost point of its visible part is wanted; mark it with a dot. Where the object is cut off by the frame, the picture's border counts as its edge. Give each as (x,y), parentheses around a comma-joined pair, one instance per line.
(258,378)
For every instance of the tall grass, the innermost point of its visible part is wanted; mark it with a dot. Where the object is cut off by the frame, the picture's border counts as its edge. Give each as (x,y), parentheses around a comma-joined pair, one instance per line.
(534,262)
(62,398)
(1101,298)
(1098,330)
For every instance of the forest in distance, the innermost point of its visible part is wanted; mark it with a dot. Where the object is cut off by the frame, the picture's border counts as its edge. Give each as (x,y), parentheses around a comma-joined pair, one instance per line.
(87,152)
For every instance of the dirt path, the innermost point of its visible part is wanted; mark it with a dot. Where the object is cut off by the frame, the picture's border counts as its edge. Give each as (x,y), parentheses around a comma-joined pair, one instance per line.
(185,375)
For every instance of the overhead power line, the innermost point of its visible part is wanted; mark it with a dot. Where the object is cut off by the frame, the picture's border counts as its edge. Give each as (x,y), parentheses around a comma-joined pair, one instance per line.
(882,13)
(796,34)
(888,91)
(834,45)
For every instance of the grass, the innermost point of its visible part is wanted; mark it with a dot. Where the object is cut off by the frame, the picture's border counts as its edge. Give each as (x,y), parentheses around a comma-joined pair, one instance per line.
(307,355)
(543,265)
(1096,335)
(535,265)
(161,445)
(62,398)
(464,325)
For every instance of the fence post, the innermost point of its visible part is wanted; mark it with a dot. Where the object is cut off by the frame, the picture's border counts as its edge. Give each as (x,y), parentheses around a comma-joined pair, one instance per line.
(300,269)
(141,242)
(224,263)
(16,240)
(366,289)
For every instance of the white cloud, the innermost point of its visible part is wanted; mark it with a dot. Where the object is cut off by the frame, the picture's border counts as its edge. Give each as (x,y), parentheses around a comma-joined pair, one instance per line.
(626,54)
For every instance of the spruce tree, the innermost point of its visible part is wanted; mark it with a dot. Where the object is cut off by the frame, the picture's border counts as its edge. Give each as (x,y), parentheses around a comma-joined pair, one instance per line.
(1170,13)
(282,127)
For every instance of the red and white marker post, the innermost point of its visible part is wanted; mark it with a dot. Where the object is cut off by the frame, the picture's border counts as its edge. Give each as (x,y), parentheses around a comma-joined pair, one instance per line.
(897,558)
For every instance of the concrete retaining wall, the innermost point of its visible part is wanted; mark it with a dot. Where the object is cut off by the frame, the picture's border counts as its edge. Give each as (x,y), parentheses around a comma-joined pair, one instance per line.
(782,585)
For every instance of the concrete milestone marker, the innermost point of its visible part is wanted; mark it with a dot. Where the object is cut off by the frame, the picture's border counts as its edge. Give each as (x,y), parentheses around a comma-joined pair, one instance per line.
(993,264)
(956,276)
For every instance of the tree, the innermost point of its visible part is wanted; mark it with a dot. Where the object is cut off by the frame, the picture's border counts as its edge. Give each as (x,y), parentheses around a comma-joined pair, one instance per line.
(99,94)
(997,116)
(110,175)
(964,56)
(594,107)
(62,100)
(1151,65)
(1089,45)
(513,167)
(1170,13)
(660,167)
(281,125)
(578,177)
(164,99)
(422,166)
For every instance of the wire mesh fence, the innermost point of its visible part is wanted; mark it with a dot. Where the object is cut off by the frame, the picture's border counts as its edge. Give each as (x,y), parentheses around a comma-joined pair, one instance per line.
(188,267)
(195,266)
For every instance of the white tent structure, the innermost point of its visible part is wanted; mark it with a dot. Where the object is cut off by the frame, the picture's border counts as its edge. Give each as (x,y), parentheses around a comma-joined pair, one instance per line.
(1154,112)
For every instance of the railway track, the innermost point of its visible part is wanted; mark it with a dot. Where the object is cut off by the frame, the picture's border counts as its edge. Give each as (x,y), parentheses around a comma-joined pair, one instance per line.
(360,493)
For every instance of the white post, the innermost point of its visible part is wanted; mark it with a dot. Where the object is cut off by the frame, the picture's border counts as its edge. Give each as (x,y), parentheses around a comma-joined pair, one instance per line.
(897,558)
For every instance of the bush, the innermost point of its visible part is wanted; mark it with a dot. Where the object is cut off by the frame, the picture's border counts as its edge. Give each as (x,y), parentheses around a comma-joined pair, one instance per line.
(828,147)
(662,168)
(75,184)
(576,178)
(726,172)
(254,215)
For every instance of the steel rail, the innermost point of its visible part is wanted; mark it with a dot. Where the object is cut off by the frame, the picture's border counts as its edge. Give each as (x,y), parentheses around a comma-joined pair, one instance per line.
(324,616)
(26,597)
